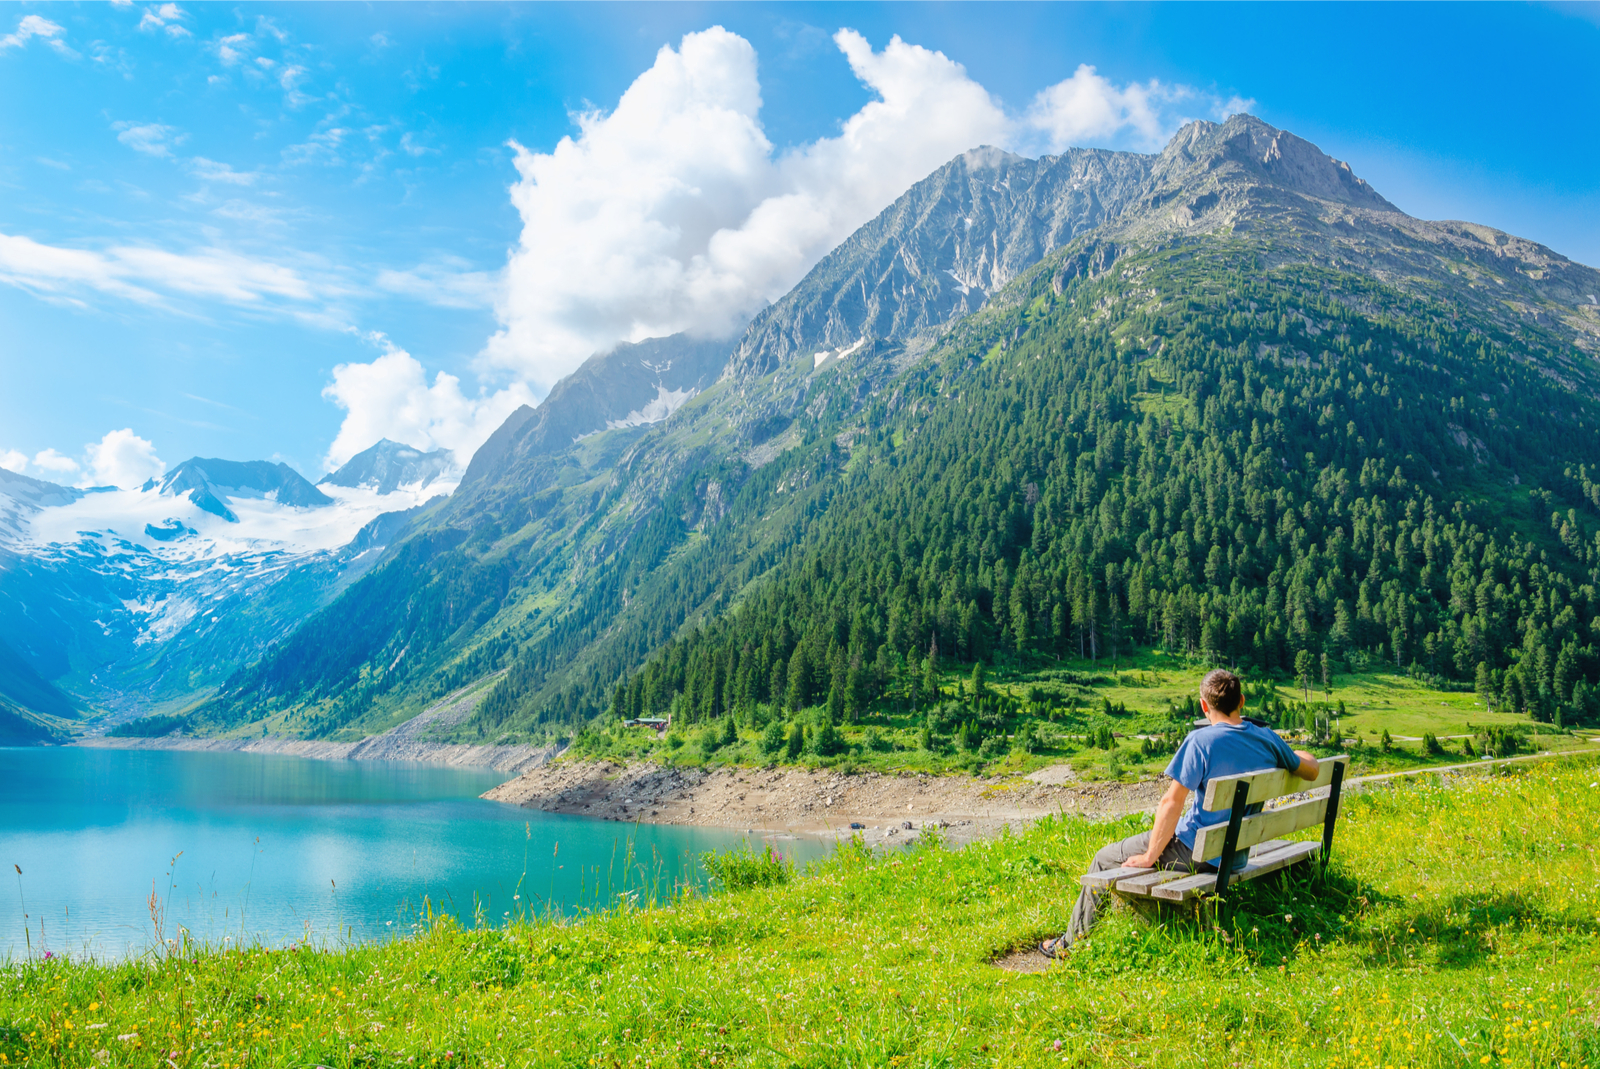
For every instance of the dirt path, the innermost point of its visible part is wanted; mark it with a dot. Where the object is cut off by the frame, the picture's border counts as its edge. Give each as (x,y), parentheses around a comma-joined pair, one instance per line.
(795,801)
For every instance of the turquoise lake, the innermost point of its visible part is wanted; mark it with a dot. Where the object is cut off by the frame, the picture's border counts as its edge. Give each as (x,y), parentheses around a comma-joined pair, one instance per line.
(276,849)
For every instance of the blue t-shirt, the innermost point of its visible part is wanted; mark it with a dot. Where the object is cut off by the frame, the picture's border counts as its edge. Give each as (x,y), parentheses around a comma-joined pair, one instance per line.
(1218,750)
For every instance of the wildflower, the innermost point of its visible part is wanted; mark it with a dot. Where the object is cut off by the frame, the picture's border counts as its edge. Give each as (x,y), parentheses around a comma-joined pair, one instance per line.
(48,955)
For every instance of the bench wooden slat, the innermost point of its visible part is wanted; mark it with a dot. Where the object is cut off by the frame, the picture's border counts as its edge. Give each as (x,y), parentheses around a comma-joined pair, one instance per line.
(1261,827)
(1191,886)
(1141,885)
(1105,879)
(1268,784)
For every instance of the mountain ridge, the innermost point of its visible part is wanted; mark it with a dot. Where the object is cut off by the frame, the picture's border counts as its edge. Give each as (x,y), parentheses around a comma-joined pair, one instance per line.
(208,482)
(570,563)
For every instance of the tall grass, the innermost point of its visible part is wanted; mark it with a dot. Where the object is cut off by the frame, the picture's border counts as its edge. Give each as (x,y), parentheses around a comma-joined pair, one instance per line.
(1459,924)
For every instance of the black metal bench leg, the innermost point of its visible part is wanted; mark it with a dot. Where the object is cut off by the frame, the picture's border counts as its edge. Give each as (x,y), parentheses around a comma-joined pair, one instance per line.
(1230,842)
(1333,813)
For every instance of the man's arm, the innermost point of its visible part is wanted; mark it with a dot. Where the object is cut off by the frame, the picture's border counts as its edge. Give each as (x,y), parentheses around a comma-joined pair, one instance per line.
(1309,768)
(1167,814)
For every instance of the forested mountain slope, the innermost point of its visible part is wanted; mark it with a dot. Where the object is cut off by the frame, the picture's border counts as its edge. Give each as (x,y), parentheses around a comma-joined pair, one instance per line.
(1195,452)
(1253,410)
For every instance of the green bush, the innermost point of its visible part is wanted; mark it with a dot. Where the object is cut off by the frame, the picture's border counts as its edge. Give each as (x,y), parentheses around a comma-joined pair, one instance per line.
(772,739)
(739,869)
(827,742)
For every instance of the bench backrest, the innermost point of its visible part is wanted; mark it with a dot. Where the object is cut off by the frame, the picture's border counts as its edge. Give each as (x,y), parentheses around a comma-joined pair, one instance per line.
(1264,786)
(1269,783)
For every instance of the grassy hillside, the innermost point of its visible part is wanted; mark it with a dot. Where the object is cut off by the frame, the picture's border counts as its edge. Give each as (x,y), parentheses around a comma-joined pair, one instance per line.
(1458,925)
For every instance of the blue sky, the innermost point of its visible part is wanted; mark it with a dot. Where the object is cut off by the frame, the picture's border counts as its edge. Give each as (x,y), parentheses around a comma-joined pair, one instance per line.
(256,231)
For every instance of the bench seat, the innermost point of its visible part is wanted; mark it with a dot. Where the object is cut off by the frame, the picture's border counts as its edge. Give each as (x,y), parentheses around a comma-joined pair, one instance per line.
(1179,886)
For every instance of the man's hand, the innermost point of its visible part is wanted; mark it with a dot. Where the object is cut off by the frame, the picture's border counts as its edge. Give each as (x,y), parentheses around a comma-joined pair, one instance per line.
(1143,861)
(1309,768)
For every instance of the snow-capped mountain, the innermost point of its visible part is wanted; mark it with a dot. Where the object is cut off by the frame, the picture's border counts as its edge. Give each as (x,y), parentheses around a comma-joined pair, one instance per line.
(207,483)
(135,601)
(390,466)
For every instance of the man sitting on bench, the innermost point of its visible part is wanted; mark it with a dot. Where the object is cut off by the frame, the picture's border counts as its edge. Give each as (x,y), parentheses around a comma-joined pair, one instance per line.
(1227,746)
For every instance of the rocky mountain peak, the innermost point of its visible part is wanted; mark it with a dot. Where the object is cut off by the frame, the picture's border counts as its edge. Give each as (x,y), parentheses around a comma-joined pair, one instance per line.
(1245,148)
(210,482)
(389,465)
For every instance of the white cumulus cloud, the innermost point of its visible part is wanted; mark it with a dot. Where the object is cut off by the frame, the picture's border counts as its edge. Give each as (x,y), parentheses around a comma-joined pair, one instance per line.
(1088,106)
(121,458)
(391,398)
(54,462)
(12,460)
(674,212)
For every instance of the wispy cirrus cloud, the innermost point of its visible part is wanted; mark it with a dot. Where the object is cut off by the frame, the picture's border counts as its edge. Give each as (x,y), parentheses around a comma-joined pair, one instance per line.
(37,27)
(167,17)
(148,275)
(149,138)
(447,283)
(212,171)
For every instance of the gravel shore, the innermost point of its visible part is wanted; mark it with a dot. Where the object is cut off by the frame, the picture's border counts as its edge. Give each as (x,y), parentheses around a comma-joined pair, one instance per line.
(794,801)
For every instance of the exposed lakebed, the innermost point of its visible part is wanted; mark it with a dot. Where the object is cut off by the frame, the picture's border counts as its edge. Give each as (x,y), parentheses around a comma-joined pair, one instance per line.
(278,849)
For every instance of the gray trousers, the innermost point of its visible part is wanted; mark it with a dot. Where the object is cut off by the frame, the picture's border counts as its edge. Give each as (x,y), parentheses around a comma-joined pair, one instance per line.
(1176,856)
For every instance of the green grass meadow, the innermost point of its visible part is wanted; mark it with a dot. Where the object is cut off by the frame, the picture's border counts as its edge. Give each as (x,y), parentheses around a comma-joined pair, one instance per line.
(1458,925)
(1146,692)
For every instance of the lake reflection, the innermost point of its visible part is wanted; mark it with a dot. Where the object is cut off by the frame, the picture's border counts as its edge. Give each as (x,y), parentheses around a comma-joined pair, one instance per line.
(279,849)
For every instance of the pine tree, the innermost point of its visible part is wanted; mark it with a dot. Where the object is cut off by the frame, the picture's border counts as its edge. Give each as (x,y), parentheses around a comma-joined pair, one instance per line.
(799,694)
(1483,684)
(1302,673)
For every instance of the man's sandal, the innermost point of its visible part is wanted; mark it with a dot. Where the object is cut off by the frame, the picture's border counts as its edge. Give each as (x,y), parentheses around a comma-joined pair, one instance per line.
(1058,947)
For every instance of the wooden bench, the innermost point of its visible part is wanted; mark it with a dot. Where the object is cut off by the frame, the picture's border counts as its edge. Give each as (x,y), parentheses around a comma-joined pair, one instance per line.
(1258,834)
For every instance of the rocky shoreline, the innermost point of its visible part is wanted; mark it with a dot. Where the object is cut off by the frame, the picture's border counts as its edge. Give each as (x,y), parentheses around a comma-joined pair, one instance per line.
(798,801)
(512,759)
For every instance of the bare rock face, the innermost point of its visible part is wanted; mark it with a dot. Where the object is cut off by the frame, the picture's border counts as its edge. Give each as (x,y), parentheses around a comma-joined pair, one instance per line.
(1245,150)
(939,251)
(632,385)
